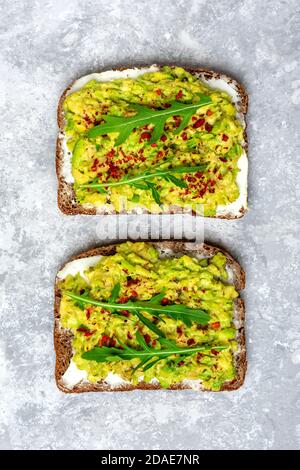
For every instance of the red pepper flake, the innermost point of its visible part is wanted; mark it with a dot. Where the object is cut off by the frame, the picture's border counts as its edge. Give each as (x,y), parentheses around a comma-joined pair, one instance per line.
(134,294)
(167,105)
(198,174)
(125,313)
(158,91)
(163,138)
(209,112)
(132,282)
(129,335)
(145,136)
(123,300)
(208,127)
(179,95)
(190,179)
(89,311)
(154,145)
(164,301)
(214,352)
(223,159)
(89,333)
(107,341)
(159,154)
(194,118)
(225,137)
(177,121)
(199,123)
(104,341)
(113,170)
(147,338)
(199,356)
(179,330)
(190,342)
(86,331)
(154,342)
(95,164)
(181,363)
(111,153)
(87,119)
(184,136)
(216,324)
(82,330)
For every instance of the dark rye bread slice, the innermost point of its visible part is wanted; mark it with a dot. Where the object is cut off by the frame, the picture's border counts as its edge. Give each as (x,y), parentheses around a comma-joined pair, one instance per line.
(66,194)
(63,337)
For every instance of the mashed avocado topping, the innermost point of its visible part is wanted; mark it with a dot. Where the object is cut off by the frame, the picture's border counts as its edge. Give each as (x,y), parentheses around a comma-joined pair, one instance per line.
(134,275)
(211,139)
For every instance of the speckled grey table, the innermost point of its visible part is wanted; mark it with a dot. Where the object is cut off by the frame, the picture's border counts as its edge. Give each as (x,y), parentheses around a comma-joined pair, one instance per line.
(44,45)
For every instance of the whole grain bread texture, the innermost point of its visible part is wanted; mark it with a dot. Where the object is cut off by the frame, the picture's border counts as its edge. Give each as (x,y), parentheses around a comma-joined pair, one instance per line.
(63,337)
(66,194)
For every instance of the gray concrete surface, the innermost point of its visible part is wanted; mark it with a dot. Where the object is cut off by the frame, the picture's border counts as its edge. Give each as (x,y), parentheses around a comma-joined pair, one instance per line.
(44,45)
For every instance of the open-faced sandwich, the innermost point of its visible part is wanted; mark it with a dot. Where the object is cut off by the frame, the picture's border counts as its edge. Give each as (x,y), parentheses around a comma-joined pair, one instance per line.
(154,139)
(148,316)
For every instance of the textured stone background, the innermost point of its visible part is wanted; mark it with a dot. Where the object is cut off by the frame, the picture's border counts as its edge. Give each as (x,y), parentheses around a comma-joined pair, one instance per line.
(44,45)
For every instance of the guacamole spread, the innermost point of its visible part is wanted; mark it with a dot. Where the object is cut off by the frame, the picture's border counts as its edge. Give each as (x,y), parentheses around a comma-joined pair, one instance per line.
(211,139)
(136,275)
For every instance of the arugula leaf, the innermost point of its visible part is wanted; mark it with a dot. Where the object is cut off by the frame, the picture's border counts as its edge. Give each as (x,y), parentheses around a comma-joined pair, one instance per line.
(115,293)
(176,181)
(146,176)
(155,193)
(80,302)
(149,324)
(141,341)
(151,364)
(177,311)
(148,356)
(157,298)
(124,125)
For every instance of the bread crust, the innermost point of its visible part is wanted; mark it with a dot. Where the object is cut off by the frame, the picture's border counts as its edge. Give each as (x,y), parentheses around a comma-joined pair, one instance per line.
(66,195)
(63,337)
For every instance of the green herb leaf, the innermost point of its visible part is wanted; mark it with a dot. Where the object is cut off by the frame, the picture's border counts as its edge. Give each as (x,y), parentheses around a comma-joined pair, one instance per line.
(124,125)
(137,181)
(176,181)
(155,193)
(80,302)
(149,324)
(177,311)
(115,292)
(146,176)
(157,298)
(151,364)
(146,354)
